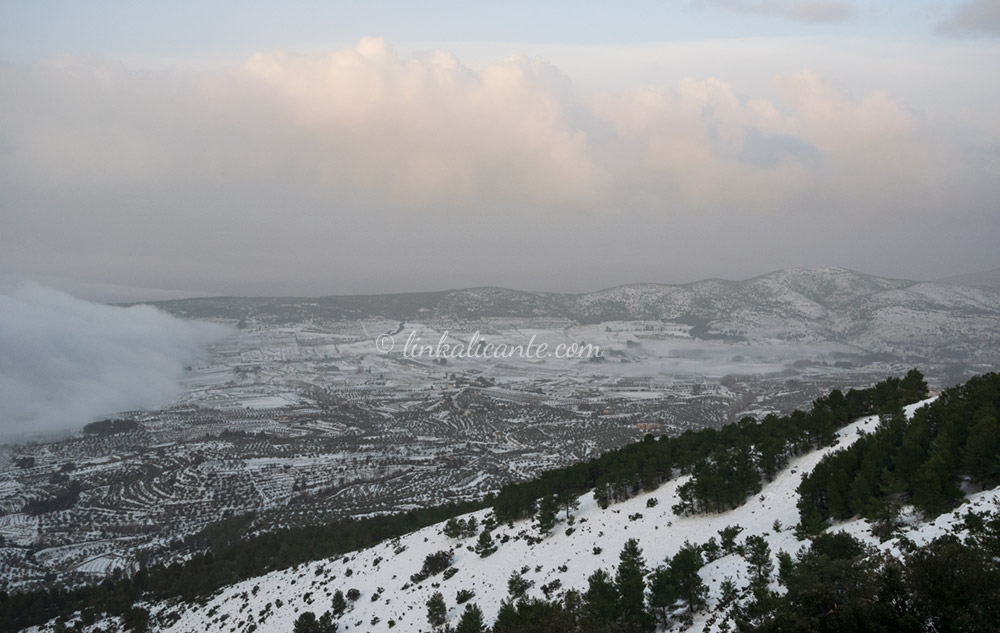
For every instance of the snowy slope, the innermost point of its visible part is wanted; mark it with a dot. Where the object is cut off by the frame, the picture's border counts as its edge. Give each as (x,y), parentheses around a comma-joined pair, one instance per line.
(382,573)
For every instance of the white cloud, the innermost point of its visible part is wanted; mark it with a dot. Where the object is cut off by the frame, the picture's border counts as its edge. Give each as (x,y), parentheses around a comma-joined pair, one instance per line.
(65,362)
(430,130)
(712,148)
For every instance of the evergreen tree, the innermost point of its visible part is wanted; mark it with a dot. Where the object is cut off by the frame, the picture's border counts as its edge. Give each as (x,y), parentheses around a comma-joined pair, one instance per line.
(684,567)
(727,537)
(339,603)
(452,529)
(933,487)
(757,553)
(860,494)
(953,587)
(728,592)
(136,620)
(884,511)
(913,387)
(437,610)
(911,453)
(307,622)
(326,623)
(631,587)
(982,451)
(663,594)
(517,585)
(470,527)
(567,500)
(602,495)
(547,514)
(471,620)
(785,566)
(485,545)
(507,619)
(601,598)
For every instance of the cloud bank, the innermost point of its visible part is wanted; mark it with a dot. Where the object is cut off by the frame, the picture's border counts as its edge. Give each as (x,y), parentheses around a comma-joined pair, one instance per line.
(429,132)
(362,170)
(65,362)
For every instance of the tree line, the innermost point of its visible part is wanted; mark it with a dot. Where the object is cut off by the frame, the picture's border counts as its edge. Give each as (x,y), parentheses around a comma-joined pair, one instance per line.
(727,465)
(923,461)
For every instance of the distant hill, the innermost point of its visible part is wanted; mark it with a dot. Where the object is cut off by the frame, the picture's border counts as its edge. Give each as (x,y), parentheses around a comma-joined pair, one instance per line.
(948,322)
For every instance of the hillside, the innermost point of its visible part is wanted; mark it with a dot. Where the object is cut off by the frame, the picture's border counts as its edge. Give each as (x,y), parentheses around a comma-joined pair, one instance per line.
(659,531)
(383,596)
(790,523)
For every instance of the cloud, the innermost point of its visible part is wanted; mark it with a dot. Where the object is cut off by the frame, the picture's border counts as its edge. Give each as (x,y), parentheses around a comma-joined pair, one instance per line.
(976,17)
(363,170)
(799,10)
(429,133)
(422,130)
(65,362)
(429,129)
(703,145)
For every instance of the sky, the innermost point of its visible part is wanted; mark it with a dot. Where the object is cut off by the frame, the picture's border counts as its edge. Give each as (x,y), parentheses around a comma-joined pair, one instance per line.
(228,148)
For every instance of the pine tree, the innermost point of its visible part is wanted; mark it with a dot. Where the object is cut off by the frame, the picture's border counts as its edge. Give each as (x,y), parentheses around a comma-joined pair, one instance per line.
(602,494)
(786,566)
(757,553)
(339,603)
(326,623)
(982,450)
(727,536)
(663,594)
(437,610)
(307,622)
(860,495)
(631,586)
(913,387)
(884,511)
(452,529)
(566,499)
(507,618)
(837,493)
(485,545)
(517,586)
(684,566)
(601,597)
(933,488)
(471,620)
(547,514)
(470,527)
(911,453)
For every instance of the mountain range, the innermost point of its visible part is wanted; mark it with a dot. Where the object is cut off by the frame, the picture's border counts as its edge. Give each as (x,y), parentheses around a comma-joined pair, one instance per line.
(911,320)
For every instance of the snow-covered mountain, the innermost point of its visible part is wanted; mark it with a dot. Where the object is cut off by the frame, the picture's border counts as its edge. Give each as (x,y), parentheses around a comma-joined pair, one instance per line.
(907,319)
(386,598)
